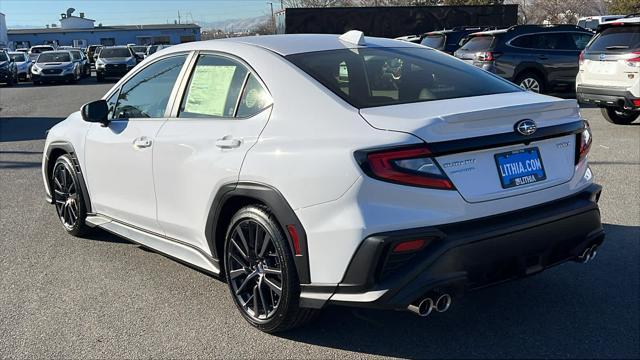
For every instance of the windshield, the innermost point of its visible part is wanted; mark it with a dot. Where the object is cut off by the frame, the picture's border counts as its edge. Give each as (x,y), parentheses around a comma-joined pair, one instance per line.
(3,56)
(621,39)
(391,76)
(152,49)
(115,53)
(76,55)
(139,48)
(52,57)
(18,57)
(39,50)
(478,43)
(434,41)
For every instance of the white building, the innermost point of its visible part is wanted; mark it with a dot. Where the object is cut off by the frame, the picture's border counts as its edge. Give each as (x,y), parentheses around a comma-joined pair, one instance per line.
(69,21)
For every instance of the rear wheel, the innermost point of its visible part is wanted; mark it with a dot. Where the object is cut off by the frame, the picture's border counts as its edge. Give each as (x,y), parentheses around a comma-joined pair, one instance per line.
(67,197)
(619,116)
(530,82)
(260,271)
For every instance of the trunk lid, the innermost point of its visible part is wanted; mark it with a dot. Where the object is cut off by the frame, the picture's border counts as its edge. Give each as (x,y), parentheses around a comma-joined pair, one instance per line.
(476,174)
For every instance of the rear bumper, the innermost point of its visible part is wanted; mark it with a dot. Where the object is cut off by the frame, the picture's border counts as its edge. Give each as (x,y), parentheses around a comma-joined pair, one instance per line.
(465,256)
(603,96)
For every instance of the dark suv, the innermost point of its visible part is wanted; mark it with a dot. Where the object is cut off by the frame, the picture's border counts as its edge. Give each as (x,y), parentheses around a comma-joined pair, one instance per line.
(539,58)
(449,40)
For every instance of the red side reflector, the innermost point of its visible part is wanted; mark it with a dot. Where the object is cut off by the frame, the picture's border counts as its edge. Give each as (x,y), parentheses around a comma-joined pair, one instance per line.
(295,239)
(636,102)
(407,246)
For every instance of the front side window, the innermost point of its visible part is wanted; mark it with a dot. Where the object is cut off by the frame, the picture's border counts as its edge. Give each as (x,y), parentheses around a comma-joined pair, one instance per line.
(390,76)
(147,93)
(76,55)
(214,88)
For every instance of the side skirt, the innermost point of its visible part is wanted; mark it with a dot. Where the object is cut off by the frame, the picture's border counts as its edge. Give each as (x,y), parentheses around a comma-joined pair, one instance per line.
(172,248)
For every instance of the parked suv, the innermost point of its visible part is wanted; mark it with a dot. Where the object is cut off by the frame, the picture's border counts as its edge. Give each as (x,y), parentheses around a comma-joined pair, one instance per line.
(252,159)
(609,74)
(537,58)
(23,64)
(448,40)
(114,61)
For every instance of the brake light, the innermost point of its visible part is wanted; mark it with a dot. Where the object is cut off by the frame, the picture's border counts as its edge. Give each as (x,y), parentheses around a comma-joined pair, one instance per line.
(485,56)
(407,166)
(636,102)
(583,143)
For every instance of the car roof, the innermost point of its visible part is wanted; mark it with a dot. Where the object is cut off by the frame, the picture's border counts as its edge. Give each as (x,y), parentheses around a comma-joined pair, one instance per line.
(297,43)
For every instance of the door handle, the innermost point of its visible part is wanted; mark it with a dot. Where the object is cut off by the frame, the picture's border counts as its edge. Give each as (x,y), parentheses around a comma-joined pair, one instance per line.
(142,142)
(228,142)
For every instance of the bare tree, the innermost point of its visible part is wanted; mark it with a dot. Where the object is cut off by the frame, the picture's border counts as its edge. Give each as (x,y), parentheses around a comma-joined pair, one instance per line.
(315,3)
(623,7)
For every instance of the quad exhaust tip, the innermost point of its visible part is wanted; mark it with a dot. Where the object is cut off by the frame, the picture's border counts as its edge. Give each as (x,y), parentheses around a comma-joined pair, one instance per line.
(426,306)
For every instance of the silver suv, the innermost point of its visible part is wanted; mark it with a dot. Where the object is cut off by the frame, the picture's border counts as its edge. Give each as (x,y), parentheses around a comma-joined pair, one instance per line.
(609,75)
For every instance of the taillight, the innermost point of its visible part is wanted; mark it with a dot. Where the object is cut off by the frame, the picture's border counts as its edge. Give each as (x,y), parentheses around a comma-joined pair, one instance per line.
(485,56)
(409,246)
(583,143)
(635,60)
(581,58)
(407,166)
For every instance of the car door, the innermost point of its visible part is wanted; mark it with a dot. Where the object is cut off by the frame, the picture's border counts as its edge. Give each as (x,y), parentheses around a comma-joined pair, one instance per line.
(222,109)
(561,60)
(119,156)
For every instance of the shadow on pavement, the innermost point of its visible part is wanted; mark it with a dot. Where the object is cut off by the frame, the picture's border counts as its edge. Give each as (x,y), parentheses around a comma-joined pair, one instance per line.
(25,128)
(577,305)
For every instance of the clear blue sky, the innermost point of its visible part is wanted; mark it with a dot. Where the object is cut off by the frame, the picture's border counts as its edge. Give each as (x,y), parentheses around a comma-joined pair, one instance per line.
(121,12)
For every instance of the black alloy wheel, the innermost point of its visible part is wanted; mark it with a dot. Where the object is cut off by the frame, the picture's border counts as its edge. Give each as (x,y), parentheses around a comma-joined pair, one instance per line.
(67,197)
(260,271)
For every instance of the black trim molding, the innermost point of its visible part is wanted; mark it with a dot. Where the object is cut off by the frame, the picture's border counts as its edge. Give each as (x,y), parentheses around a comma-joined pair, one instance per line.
(68,148)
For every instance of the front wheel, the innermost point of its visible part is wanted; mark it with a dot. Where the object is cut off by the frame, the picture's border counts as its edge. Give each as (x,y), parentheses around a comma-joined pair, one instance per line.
(260,271)
(619,116)
(67,197)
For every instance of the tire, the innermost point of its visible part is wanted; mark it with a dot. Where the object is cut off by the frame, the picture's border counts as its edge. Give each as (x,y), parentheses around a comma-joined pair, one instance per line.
(619,116)
(530,82)
(257,259)
(67,197)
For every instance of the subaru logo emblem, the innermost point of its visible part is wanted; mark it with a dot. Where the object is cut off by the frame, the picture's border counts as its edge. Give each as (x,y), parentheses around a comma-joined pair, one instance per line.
(602,57)
(526,127)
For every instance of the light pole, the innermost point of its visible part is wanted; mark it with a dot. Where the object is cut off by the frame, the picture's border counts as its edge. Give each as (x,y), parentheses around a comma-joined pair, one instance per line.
(273,19)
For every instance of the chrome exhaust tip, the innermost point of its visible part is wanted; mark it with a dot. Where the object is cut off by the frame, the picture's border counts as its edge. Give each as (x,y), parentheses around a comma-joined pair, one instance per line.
(593,251)
(585,257)
(443,303)
(423,308)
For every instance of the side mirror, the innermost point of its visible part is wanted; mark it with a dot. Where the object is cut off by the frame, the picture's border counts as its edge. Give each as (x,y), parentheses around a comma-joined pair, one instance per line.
(96,111)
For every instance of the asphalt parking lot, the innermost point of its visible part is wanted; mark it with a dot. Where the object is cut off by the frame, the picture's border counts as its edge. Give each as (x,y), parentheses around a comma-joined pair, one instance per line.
(104,297)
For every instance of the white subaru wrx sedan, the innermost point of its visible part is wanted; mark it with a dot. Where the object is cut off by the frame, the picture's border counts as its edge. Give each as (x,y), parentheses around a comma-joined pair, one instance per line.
(309,170)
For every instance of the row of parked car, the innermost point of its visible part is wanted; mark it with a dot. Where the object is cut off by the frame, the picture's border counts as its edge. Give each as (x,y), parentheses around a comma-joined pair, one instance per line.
(44,63)
(602,68)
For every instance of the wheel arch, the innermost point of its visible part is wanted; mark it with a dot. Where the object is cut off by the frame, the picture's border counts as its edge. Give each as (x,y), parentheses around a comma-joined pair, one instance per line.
(231,197)
(534,68)
(53,152)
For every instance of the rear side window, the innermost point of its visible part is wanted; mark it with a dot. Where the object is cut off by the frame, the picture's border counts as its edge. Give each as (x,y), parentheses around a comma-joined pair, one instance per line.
(434,41)
(478,43)
(619,39)
(552,41)
(214,88)
(390,76)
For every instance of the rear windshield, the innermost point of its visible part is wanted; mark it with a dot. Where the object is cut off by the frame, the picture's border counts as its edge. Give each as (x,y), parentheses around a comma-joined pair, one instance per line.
(478,43)
(54,57)
(622,38)
(390,76)
(39,50)
(434,41)
(115,53)
(18,57)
